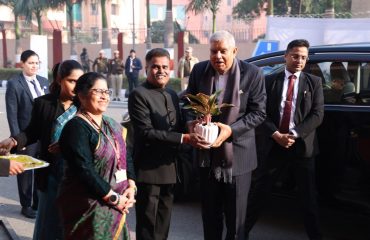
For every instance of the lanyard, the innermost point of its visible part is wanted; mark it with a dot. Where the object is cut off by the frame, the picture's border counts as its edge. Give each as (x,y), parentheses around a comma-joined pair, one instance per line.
(114,145)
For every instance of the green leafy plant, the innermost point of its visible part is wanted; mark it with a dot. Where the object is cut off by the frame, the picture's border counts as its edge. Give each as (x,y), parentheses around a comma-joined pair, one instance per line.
(205,106)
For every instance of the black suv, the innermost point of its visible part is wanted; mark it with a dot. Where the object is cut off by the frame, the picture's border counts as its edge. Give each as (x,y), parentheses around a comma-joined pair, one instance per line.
(343,166)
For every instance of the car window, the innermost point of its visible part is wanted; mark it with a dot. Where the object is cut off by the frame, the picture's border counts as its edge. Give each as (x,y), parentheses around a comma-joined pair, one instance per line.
(344,82)
(270,69)
(364,79)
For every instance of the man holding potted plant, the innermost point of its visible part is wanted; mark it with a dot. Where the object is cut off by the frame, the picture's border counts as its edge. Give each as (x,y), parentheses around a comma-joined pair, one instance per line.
(226,167)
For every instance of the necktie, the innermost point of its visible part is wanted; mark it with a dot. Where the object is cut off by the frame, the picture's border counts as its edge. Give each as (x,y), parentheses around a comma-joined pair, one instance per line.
(38,93)
(285,120)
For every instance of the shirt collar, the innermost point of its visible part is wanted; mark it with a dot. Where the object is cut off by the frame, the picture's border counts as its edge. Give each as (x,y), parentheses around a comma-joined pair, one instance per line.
(287,73)
(29,78)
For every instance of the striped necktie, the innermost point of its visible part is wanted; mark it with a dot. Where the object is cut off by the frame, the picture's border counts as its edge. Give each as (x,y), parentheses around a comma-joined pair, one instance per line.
(38,93)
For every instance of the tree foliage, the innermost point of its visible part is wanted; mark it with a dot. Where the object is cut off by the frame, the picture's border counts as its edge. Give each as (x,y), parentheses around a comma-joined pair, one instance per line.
(200,6)
(169,29)
(249,9)
(157,30)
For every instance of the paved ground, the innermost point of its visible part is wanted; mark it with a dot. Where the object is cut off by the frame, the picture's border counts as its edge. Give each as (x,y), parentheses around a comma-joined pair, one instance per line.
(281,220)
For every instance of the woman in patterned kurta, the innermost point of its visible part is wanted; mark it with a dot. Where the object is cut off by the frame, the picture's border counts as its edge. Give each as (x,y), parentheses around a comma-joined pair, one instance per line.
(98,186)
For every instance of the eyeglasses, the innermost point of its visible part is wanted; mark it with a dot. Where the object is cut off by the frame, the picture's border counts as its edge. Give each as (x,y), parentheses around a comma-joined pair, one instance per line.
(101,92)
(298,58)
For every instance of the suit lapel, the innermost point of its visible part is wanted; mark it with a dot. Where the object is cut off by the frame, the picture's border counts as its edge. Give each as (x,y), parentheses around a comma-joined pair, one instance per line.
(207,85)
(42,83)
(276,93)
(300,94)
(279,86)
(23,83)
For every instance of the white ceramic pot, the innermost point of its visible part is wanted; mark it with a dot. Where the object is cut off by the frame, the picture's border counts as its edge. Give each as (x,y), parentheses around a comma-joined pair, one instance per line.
(209,131)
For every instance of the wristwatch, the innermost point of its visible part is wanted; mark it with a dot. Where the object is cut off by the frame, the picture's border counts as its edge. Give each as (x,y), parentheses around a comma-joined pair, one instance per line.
(114,199)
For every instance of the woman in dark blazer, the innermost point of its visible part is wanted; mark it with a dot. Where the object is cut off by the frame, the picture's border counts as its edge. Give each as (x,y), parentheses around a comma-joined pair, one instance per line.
(21,91)
(49,114)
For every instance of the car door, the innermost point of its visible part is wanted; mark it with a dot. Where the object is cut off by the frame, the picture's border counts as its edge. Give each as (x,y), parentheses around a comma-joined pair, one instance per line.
(343,165)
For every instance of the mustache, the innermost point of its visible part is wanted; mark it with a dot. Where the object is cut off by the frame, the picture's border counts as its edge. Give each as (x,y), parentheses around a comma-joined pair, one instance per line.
(161,75)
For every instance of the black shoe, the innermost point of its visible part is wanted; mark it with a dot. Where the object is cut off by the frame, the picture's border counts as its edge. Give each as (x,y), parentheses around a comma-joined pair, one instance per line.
(118,99)
(28,212)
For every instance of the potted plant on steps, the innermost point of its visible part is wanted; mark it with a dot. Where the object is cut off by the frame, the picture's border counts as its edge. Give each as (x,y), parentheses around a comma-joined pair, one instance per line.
(205,107)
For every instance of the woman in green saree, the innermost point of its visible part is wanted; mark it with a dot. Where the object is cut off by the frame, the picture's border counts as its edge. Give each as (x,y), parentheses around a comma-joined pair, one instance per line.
(98,186)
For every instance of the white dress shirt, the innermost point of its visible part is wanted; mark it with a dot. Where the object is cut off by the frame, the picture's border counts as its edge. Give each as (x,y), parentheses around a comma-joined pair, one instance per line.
(131,63)
(30,86)
(220,81)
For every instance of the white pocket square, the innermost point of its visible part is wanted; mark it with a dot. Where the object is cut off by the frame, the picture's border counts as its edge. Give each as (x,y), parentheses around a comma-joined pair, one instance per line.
(241,92)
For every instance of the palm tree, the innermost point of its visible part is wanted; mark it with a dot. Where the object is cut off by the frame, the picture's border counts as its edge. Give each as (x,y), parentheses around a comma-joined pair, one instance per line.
(16,6)
(37,7)
(104,23)
(148,26)
(199,6)
(169,29)
(249,9)
(69,7)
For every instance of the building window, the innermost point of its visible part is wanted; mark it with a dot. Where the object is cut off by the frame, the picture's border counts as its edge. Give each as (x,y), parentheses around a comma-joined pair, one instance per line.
(157,12)
(179,13)
(76,11)
(228,18)
(114,9)
(94,9)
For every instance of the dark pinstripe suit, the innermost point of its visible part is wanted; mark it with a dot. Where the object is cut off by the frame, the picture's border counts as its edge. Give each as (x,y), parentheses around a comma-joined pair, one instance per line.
(220,198)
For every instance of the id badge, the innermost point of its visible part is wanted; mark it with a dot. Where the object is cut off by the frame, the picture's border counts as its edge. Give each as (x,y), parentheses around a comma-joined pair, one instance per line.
(120,175)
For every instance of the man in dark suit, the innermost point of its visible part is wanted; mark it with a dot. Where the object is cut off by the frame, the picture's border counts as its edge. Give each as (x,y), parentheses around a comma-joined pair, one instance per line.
(287,138)
(132,68)
(155,115)
(225,169)
(20,93)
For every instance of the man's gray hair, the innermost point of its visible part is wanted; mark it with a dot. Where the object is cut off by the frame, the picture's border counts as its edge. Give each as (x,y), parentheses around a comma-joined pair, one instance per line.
(223,35)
